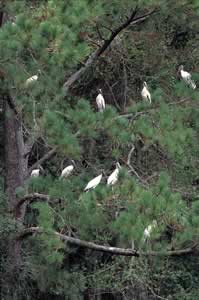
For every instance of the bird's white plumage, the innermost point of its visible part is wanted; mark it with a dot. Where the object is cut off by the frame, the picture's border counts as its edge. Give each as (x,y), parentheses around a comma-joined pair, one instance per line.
(145,93)
(148,230)
(186,77)
(67,171)
(93,183)
(113,178)
(35,173)
(31,79)
(100,102)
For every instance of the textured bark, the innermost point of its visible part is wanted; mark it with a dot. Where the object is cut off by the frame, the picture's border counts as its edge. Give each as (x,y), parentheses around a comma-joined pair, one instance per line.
(15,166)
(15,170)
(14,175)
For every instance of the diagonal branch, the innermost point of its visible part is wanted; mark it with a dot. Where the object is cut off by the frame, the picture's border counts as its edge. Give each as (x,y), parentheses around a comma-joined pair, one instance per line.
(194,250)
(94,56)
(43,159)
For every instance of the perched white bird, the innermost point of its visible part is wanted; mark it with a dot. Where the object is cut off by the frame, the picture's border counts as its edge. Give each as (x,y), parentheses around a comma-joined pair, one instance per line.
(148,230)
(186,77)
(67,171)
(100,101)
(35,173)
(93,183)
(145,92)
(31,80)
(113,178)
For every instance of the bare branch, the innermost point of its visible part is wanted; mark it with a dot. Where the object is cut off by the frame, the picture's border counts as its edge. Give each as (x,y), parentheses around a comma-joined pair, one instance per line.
(125,84)
(99,33)
(130,154)
(43,159)
(94,56)
(112,250)
(31,198)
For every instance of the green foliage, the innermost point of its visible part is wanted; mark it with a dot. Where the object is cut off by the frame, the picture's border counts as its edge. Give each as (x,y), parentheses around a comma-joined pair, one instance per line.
(53,39)
(59,134)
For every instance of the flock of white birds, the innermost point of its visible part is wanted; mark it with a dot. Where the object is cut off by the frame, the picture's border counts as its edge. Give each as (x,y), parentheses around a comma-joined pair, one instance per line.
(146,96)
(113,177)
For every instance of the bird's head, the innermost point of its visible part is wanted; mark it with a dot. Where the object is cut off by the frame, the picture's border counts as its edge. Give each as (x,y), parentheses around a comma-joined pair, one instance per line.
(41,169)
(73,163)
(100,91)
(145,84)
(154,223)
(118,165)
(181,67)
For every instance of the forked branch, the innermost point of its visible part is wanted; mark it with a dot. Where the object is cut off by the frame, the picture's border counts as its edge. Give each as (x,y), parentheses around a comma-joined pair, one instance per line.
(131,20)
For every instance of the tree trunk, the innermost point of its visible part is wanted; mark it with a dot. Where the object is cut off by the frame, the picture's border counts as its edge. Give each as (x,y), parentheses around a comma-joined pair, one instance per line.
(15,171)
(14,157)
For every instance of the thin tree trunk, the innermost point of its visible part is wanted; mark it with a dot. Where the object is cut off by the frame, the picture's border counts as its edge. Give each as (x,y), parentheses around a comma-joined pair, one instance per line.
(15,170)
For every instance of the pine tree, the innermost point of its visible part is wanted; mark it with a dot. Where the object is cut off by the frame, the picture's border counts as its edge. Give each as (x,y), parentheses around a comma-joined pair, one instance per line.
(56,239)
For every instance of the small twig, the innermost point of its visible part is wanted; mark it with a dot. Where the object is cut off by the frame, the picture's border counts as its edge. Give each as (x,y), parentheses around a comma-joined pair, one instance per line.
(114,99)
(154,294)
(133,116)
(135,173)
(125,84)
(179,102)
(99,33)
(130,154)
(106,27)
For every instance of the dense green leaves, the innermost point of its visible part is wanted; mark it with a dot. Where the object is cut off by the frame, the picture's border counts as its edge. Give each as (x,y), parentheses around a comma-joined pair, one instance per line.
(156,145)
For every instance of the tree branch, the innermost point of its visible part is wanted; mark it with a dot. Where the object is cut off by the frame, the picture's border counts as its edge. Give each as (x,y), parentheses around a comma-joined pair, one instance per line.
(194,250)
(43,159)
(31,198)
(94,56)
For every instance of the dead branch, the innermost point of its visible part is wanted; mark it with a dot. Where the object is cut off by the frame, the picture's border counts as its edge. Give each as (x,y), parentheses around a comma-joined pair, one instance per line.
(99,33)
(31,198)
(94,56)
(194,250)
(125,84)
(130,154)
(43,159)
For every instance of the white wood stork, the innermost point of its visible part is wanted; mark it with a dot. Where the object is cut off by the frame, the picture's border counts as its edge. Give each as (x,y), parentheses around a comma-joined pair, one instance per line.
(35,173)
(31,80)
(113,178)
(148,230)
(100,101)
(145,92)
(186,77)
(67,171)
(93,183)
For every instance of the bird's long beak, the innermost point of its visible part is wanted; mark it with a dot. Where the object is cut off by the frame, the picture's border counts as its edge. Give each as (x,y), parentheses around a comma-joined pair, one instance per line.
(74,164)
